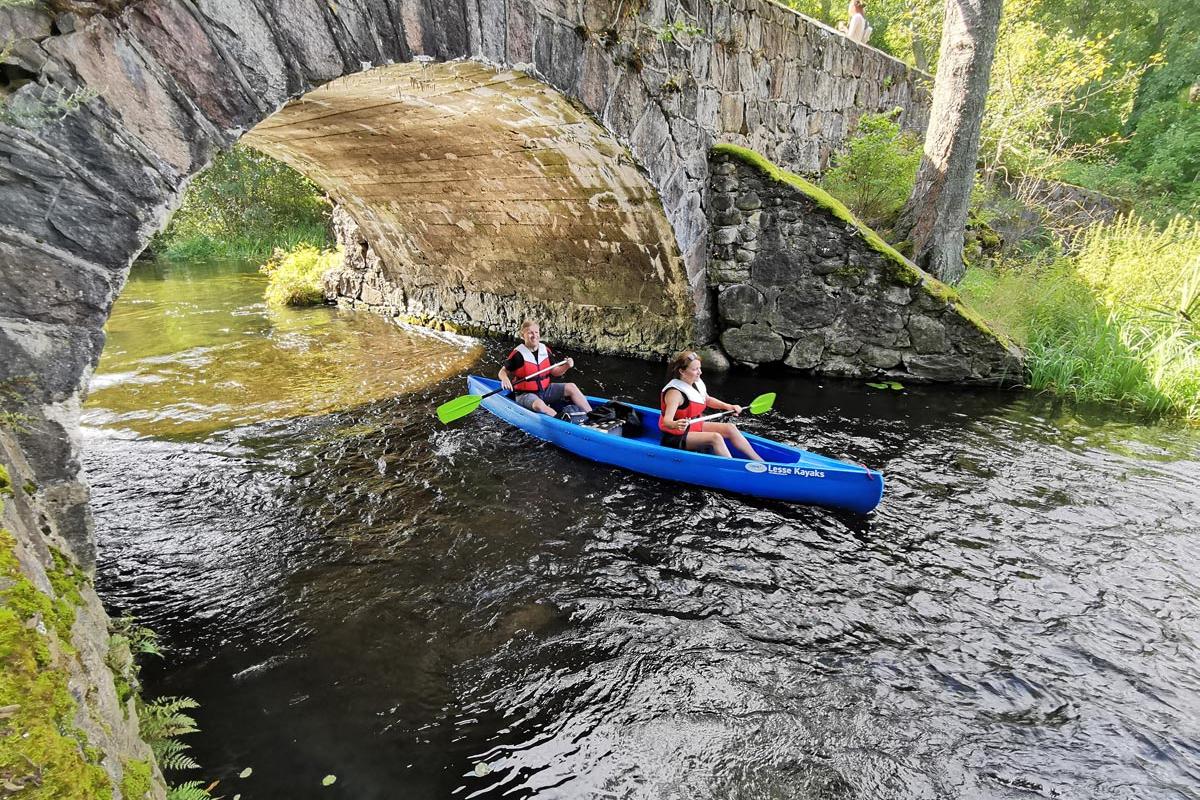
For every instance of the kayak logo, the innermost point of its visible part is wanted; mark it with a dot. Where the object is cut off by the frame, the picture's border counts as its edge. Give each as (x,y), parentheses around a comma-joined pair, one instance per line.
(774,469)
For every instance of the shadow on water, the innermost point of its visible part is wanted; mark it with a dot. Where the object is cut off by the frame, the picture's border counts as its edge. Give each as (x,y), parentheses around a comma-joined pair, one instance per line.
(369,594)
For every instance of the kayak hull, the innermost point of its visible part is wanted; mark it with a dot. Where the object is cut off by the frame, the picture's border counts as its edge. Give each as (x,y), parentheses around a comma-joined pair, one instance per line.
(788,473)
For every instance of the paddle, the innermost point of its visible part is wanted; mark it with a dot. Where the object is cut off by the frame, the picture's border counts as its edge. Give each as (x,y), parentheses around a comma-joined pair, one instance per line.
(759,405)
(459,407)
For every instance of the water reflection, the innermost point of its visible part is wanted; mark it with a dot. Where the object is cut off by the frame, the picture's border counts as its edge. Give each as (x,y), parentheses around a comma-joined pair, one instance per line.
(192,349)
(370,594)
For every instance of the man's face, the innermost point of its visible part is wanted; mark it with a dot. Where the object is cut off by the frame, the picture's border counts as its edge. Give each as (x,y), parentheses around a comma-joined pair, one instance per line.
(531,336)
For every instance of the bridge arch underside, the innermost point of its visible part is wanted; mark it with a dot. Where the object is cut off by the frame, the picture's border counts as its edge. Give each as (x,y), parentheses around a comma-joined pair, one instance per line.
(479,197)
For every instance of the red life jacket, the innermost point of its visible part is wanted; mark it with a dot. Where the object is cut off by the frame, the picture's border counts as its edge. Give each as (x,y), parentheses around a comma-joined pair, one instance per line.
(532,363)
(695,400)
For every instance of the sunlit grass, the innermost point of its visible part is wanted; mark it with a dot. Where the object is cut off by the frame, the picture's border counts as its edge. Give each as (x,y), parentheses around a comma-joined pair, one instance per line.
(1117,323)
(244,247)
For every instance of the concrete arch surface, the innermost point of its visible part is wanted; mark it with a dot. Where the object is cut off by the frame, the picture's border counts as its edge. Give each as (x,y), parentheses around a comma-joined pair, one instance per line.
(107,118)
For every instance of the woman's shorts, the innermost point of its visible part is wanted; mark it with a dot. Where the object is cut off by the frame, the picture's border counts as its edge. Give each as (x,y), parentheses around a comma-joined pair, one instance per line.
(554,393)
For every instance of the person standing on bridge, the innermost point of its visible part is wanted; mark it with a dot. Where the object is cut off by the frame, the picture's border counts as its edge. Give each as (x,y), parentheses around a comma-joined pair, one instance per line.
(538,393)
(858,30)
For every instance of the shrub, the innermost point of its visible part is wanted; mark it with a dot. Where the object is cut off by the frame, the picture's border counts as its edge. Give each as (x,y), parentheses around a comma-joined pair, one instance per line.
(874,174)
(294,276)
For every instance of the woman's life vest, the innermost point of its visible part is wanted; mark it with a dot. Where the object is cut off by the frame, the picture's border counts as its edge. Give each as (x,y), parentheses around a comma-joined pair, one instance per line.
(695,400)
(531,363)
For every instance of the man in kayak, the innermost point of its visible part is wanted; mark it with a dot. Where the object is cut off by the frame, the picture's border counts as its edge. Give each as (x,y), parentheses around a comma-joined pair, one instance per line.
(538,393)
(684,398)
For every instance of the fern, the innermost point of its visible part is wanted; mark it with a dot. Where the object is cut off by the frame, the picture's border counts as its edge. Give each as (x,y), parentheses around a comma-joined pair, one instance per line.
(164,719)
(192,790)
(170,754)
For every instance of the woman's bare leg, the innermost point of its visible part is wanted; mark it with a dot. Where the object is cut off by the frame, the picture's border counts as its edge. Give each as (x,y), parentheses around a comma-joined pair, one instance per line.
(731,432)
(705,440)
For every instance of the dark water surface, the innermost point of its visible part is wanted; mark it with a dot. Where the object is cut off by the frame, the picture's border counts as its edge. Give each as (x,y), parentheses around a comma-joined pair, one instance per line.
(368,594)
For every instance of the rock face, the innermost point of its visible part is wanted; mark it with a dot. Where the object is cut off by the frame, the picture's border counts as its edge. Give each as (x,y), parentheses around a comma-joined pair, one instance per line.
(800,283)
(58,637)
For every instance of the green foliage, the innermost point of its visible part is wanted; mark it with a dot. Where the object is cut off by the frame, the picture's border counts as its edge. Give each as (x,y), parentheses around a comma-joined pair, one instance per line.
(13,394)
(294,277)
(1042,82)
(42,753)
(162,722)
(135,780)
(1115,323)
(245,205)
(676,28)
(192,790)
(35,110)
(875,171)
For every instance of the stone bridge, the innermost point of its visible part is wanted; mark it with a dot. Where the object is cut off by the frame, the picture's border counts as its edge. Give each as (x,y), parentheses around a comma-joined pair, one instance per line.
(502,157)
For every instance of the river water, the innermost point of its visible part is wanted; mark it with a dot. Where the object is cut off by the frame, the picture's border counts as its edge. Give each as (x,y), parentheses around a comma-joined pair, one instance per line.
(351,589)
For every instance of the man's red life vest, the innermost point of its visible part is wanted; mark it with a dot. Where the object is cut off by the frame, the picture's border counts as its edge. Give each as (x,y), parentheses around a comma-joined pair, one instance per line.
(695,400)
(532,363)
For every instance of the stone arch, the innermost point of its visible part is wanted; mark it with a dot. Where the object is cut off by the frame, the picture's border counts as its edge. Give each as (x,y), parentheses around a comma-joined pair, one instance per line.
(113,115)
(475,197)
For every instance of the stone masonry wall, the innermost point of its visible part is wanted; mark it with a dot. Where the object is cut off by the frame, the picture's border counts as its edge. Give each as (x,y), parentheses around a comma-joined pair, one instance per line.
(801,284)
(398,290)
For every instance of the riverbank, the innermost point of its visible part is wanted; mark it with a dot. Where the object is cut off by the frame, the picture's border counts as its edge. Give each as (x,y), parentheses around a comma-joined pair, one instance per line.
(1117,322)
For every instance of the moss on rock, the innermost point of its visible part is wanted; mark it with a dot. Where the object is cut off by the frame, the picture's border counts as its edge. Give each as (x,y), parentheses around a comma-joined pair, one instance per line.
(136,779)
(42,749)
(898,269)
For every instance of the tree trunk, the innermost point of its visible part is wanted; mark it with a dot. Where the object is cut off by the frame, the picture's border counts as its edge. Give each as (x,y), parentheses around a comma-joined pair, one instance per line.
(934,218)
(918,46)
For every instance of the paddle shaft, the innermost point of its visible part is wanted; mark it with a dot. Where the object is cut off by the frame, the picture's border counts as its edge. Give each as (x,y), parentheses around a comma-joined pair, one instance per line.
(718,415)
(562,363)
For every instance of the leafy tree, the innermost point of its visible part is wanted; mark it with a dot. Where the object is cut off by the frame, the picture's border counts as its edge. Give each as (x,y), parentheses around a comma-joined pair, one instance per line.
(247,195)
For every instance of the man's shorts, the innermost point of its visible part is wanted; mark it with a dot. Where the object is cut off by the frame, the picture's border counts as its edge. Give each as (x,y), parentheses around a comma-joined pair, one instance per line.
(553,395)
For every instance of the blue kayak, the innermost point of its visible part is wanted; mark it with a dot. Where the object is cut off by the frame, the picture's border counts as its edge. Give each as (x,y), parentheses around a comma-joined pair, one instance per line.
(788,473)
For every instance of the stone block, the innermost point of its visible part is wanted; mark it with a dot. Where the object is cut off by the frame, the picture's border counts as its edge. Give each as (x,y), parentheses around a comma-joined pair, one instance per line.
(807,351)
(879,357)
(727,235)
(741,304)
(927,335)
(937,367)
(804,307)
(753,344)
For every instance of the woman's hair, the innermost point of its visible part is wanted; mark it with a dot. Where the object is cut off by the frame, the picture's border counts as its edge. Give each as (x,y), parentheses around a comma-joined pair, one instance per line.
(527,324)
(680,362)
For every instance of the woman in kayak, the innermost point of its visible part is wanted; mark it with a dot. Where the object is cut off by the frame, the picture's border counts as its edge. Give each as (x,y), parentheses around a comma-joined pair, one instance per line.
(683,398)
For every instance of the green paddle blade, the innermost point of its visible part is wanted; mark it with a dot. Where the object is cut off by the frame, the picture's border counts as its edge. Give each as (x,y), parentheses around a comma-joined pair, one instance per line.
(762,403)
(458,408)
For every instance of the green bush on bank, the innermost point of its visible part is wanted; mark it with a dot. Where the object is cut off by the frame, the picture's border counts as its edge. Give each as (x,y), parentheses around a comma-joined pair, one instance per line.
(294,276)
(1118,322)
(874,173)
(244,206)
